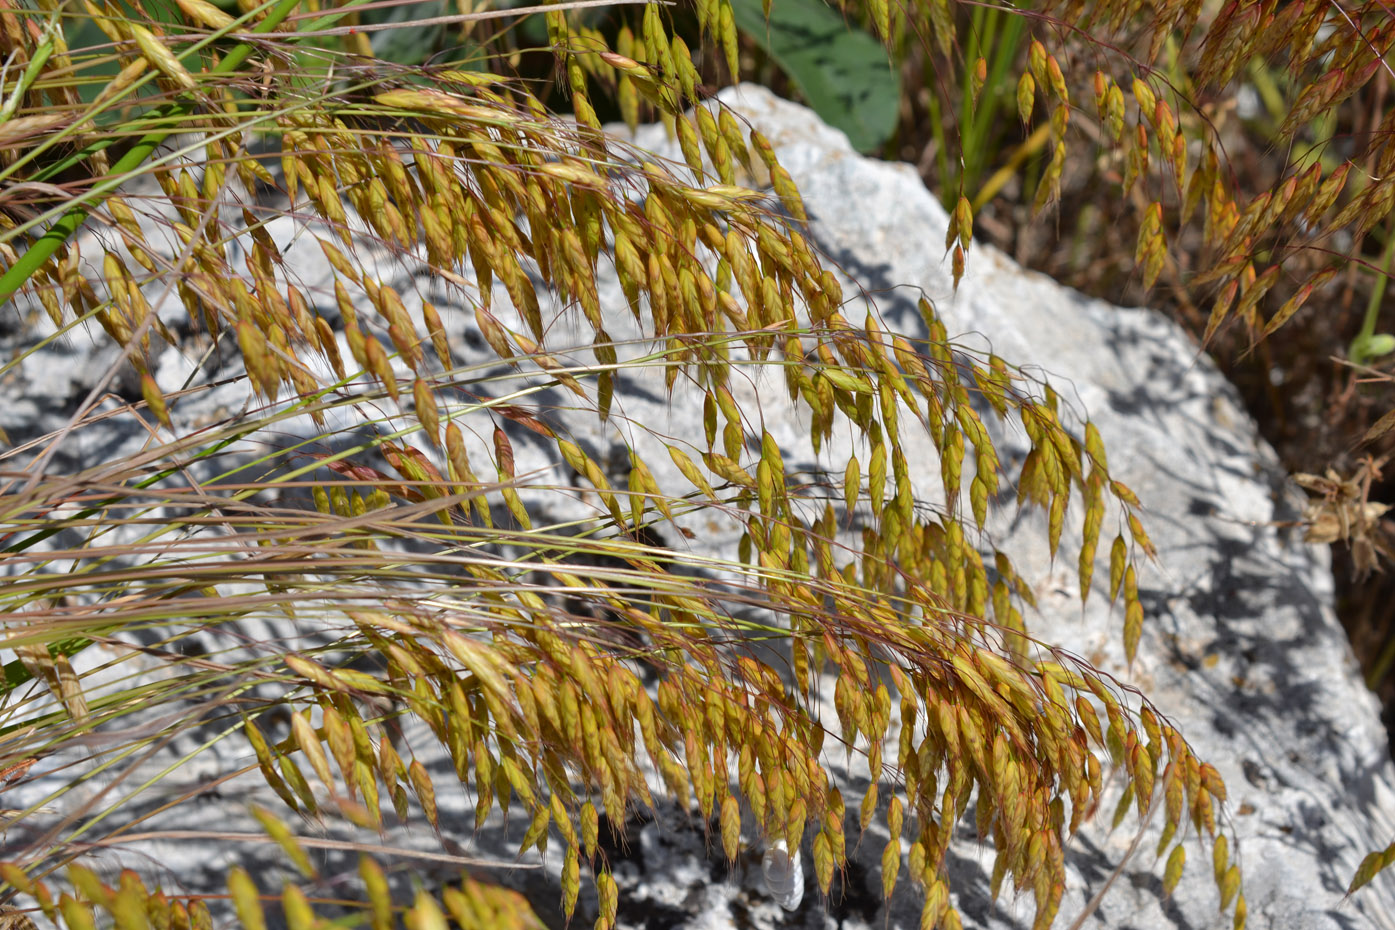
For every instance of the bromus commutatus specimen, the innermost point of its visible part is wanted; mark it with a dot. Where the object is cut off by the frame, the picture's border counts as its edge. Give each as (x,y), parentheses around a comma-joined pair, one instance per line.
(370,498)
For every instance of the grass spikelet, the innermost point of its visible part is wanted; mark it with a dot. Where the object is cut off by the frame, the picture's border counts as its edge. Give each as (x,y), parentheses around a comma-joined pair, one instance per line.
(284,838)
(375,361)
(425,406)
(309,743)
(246,899)
(161,57)
(1026,97)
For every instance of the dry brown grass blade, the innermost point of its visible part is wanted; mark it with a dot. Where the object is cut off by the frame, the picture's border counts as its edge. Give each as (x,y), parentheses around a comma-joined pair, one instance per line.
(57,674)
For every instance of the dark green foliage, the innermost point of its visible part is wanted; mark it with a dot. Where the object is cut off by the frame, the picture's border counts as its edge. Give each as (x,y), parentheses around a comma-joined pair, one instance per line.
(843,72)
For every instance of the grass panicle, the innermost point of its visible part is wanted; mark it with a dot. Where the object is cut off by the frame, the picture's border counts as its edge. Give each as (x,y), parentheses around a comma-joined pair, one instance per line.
(370,497)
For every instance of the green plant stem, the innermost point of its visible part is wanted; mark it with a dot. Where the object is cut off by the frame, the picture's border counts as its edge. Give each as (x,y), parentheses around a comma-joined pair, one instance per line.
(1001,37)
(1358,352)
(937,132)
(1381,667)
(69,223)
(235,57)
(30,75)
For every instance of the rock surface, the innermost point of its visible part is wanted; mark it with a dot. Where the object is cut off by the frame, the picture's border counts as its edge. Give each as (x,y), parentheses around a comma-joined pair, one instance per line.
(1242,650)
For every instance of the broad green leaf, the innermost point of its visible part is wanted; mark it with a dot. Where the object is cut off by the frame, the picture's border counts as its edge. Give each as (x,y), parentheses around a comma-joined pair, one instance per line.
(842,71)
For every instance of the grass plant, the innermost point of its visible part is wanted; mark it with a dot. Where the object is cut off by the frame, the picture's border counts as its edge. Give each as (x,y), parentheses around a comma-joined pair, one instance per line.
(369,498)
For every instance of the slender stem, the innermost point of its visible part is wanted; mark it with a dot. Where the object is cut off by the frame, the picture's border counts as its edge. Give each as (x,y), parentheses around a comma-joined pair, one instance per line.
(69,223)
(1382,665)
(1358,351)
(937,132)
(980,43)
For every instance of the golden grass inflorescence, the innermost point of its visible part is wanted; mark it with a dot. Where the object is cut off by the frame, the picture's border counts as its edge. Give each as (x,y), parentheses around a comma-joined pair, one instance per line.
(918,636)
